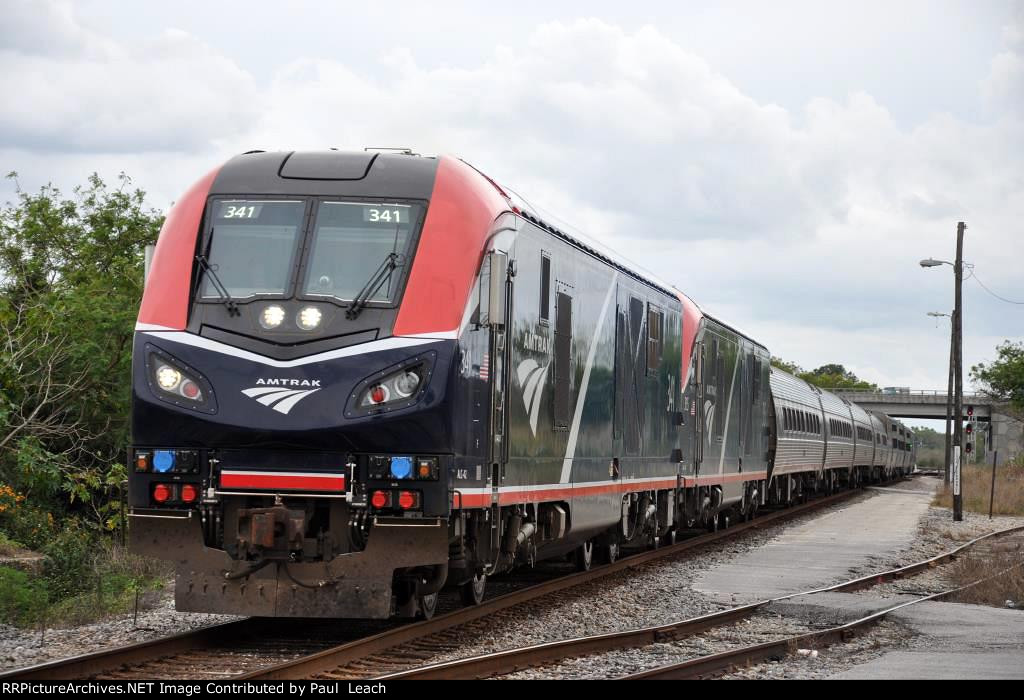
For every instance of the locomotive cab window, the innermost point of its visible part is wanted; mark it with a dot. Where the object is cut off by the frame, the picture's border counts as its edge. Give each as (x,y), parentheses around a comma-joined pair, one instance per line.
(353,240)
(251,247)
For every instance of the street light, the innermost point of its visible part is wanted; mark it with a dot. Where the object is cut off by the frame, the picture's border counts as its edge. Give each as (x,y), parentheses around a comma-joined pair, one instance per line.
(954,406)
(938,314)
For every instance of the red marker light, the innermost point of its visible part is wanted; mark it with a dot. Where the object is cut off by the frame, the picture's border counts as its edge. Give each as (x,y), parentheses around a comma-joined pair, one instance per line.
(161,493)
(407,500)
(379,499)
(189,493)
(189,390)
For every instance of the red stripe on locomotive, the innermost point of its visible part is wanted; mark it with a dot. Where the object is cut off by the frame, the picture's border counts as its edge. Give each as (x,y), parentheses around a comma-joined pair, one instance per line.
(691,322)
(165,300)
(282,481)
(462,208)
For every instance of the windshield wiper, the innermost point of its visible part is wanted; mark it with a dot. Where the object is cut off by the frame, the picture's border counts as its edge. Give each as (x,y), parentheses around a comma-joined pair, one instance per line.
(372,285)
(219,286)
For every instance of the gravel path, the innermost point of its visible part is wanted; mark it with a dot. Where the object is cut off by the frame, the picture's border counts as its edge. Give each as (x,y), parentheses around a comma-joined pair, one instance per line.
(936,533)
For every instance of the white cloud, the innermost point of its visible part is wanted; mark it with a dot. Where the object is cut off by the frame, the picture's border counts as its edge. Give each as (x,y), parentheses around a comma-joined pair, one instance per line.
(69,89)
(802,225)
(1004,85)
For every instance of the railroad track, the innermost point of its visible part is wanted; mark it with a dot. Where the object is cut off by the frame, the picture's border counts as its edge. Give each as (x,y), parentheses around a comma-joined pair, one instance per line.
(275,649)
(401,649)
(513,660)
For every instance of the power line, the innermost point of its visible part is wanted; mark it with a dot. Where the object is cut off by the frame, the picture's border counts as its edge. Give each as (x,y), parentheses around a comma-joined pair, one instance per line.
(1000,298)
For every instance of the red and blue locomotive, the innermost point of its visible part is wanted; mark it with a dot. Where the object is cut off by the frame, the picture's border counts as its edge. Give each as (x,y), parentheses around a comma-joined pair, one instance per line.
(362,376)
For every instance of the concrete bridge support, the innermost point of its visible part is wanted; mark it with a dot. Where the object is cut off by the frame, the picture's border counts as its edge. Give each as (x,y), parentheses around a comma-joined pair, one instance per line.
(1007,437)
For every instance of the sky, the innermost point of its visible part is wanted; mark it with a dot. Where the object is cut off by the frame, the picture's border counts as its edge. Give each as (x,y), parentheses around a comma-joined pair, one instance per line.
(785,164)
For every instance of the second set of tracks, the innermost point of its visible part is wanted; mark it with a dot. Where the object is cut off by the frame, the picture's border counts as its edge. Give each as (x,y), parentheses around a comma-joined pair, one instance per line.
(275,649)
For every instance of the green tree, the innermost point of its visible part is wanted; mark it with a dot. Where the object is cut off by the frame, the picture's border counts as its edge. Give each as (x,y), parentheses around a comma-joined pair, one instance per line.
(1003,378)
(70,284)
(791,367)
(831,376)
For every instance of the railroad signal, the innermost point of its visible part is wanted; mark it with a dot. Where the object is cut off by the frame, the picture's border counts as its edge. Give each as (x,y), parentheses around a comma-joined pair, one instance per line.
(969,429)
(970,411)
(968,448)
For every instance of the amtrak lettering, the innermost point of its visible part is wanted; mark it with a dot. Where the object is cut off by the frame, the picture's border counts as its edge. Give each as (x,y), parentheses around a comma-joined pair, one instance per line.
(288,382)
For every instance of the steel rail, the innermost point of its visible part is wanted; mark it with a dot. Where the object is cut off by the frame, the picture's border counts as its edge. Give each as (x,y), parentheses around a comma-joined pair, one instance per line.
(725,661)
(331,659)
(229,633)
(512,660)
(85,665)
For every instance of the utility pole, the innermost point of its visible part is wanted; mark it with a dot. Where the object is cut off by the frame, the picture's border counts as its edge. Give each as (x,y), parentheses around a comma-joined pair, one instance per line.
(949,399)
(958,504)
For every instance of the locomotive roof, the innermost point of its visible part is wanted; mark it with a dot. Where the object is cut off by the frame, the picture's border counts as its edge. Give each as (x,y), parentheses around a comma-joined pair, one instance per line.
(327,173)
(402,175)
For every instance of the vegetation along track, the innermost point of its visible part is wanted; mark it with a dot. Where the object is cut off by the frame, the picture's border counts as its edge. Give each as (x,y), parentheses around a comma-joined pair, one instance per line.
(287,649)
(513,660)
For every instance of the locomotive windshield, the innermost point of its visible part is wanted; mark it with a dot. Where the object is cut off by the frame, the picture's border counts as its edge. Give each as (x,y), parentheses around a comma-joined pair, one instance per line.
(252,245)
(350,241)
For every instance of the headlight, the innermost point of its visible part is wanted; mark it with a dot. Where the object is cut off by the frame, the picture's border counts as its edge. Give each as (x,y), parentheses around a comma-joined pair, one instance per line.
(391,389)
(309,318)
(406,384)
(168,378)
(175,382)
(271,316)
(396,387)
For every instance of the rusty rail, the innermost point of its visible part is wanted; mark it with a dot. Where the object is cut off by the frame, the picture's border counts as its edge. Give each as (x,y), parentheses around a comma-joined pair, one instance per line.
(723,662)
(122,659)
(330,660)
(509,661)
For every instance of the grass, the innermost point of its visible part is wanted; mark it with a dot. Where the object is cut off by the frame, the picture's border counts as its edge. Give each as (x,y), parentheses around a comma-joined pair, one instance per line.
(976,482)
(1004,576)
(78,585)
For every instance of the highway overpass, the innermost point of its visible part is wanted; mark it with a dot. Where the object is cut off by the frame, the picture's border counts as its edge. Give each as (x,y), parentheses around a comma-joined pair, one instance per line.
(1007,431)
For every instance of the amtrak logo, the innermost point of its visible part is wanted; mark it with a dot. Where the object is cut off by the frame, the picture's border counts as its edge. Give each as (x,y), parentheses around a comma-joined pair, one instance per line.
(709,419)
(531,378)
(280,398)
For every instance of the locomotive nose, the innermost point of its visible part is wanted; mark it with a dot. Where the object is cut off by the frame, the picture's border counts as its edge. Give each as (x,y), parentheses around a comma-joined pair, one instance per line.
(180,377)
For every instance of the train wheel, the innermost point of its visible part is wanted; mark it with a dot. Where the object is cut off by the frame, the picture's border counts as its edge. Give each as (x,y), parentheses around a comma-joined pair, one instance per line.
(428,606)
(585,556)
(472,591)
(608,553)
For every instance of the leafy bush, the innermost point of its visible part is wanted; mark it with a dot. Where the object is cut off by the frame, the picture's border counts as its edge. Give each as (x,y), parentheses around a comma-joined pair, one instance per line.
(25,523)
(22,600)
(70,287)
(69,566)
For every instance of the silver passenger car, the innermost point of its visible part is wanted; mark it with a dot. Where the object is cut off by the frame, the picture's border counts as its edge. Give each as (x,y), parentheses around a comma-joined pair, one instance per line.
(800,440)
